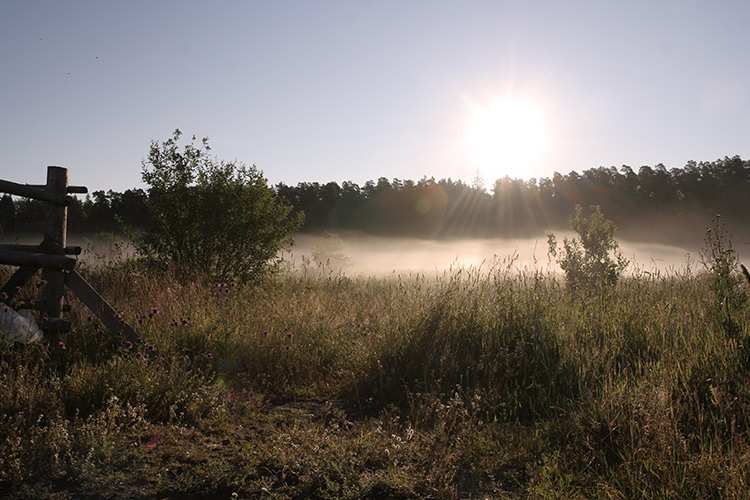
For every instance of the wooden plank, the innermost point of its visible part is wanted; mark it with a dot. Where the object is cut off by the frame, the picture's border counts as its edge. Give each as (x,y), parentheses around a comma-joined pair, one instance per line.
(35,249)
(18,279)
(99,306)
(55,230)
(55,325)
(36,260)
(24,274)
(36,193)
(69,190)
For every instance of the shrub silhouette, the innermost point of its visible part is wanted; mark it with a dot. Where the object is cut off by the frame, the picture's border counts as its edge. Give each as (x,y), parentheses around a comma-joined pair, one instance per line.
(218,218)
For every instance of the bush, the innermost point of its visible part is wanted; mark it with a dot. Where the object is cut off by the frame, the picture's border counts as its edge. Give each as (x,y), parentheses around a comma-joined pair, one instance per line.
(593,260)
(214,217)
(720,260)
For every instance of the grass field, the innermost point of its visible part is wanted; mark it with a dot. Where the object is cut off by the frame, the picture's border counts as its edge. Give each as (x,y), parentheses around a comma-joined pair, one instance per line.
(473,384)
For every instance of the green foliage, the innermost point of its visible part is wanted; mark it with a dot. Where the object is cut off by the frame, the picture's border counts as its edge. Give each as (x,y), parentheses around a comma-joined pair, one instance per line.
(593,260)
(209,216)
(720,260)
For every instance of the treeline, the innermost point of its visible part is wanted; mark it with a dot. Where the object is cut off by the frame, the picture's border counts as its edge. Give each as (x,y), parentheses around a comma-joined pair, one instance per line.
(101,211)
(653,203)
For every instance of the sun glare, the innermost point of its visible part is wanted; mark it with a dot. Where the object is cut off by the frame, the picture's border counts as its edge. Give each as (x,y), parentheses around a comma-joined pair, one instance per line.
(506,137)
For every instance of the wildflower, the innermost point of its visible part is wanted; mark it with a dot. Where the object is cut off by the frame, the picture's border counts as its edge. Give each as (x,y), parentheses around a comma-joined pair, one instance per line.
(41,283)
(289,335)
(138,355)
(153,443)
(118,316)
(185,321)
(3,296)
(153,312)
(62,345)
(288,347)
(265,333)
(209,355)
(128,344)
(151,347)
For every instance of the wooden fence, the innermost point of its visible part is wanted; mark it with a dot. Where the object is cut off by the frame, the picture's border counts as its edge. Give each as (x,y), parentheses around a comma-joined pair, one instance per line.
(52,256)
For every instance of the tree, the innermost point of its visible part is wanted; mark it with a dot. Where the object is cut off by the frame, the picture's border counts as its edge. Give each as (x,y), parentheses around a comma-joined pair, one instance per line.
(593,260)
(211,216)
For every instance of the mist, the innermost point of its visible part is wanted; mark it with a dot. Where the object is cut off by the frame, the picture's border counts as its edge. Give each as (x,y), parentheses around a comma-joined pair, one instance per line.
(377,256)
(366,255)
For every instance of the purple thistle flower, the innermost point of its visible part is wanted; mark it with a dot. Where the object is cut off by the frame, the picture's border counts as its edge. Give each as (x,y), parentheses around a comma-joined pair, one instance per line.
(62,345)
(289,335)
(128,344)
(3,296)
(138,355)
(209,355)
(151,347)
(185,321)
(118,316)
(265,333)
(41,283)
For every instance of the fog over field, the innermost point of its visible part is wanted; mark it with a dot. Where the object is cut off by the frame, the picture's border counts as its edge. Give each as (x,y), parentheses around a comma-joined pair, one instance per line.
(370,255)
(377,256)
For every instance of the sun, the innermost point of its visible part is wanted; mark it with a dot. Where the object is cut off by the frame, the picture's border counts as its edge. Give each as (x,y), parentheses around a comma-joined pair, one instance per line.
(506,137)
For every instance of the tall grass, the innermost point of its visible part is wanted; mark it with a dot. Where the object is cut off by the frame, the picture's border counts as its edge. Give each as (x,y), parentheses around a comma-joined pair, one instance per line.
(476,382)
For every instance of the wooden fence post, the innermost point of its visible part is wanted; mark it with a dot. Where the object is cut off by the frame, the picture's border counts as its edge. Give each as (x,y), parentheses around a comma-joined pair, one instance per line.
(55,231)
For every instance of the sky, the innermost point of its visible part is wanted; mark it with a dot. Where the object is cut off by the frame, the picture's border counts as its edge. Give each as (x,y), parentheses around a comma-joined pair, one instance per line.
(318,91)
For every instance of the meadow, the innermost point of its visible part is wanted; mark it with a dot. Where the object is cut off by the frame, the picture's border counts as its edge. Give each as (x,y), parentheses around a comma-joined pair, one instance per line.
(491,382)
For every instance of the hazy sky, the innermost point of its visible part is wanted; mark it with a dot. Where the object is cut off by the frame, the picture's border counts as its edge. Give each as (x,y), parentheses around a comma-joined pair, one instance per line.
(356,90)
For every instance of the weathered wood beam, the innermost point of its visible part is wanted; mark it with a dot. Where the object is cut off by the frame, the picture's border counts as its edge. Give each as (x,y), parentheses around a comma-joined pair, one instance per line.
(36,260)
(56,231)
(100,307)
(69,189)
(35,249)
(18,280)
(24,274)
(55,325)
(28,191)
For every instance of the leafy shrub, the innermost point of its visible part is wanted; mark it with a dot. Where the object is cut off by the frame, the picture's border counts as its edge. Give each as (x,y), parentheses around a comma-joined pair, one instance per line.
(219,218)
(593,260)
(720,260)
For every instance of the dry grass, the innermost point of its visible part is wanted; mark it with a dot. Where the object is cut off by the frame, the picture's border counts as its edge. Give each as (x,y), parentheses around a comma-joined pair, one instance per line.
(318,385)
